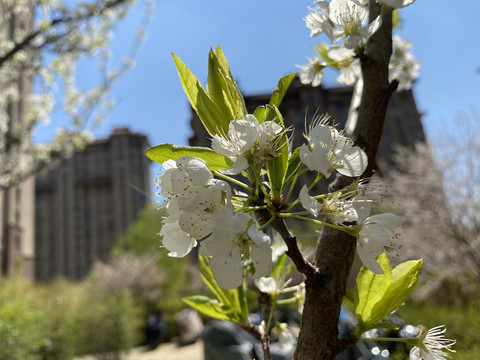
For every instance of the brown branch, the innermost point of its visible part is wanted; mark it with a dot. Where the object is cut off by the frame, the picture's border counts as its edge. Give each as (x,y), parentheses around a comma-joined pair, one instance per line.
(294,253)
(318,338)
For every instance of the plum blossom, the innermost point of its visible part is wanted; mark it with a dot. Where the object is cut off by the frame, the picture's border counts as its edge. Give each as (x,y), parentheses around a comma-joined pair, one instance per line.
(329,150)
(233,240)
(350,15)
(375,236)
(349,68)
(318,21)
(340,207)
(242,137)
(312,73)
(403,66)
(431,345)
(193,198)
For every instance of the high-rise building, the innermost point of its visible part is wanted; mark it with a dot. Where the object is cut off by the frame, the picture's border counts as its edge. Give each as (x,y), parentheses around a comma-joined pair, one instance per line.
(402,122)
(16,202)
(87,201)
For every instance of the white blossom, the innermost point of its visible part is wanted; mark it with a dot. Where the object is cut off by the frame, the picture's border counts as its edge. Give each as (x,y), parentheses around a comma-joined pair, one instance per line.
(328,150)
(403,66)
(350,15)
(312,73)
(193,198)
(318,21)
(233,238)
(432,345)
(245,137)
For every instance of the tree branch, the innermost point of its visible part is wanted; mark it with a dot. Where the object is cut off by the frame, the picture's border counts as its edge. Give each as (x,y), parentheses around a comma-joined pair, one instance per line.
(28,40)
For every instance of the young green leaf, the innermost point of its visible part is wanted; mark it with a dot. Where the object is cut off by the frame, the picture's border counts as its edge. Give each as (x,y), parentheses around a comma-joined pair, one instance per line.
(294,164)
(238,103)
(282,87)
(376,296)
(218,90)
(211,308)
(206,109)
(164,152)
(277,167)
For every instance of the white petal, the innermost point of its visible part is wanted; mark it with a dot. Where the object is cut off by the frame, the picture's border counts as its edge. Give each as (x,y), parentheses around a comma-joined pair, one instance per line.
(240,164)
(354,162)
(196,169)
(415,354)
(371,28)
(340,53)
(266,284)
(176,241)
(363,208)
(228,270)
(369,260)
(260,252)
(316,159)
(374,238)
(197,224)
(387,220)
(308,202)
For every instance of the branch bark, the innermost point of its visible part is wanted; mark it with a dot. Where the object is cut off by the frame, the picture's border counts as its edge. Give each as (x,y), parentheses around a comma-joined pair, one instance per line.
(318,338)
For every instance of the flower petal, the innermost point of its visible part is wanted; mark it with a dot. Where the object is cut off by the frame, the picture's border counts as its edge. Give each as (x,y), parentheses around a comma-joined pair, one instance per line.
(368,260)
(354,162)
(308,202)
(260,252)
(228,270)
(175,240)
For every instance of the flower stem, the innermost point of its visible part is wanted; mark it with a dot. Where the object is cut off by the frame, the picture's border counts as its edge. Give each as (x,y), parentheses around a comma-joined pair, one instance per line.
(297,174)
(232,180)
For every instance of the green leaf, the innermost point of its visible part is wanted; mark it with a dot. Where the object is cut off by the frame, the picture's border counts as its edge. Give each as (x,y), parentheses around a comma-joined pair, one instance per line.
(294,164)
(218,91)
(265,113)
(234,299)
(206,109)
(370,288)
(238,103)
(404,278)
(164,152)
(377,295)
(282,87)
(210,307)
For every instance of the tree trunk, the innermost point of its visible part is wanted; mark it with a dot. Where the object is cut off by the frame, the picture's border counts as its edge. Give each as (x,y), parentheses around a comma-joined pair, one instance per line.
(318,338)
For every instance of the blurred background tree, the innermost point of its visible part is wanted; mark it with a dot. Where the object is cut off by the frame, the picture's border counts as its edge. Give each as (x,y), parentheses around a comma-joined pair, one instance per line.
(42,43)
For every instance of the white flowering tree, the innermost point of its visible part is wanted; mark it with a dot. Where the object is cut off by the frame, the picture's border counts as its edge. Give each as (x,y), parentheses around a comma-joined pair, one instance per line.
(229,224)
(41,44)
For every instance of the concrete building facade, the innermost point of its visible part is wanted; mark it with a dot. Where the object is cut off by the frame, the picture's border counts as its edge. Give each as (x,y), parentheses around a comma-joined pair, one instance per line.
(87,201)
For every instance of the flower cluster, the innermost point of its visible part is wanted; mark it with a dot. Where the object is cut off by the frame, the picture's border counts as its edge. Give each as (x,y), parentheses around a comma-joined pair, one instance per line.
(200,208)
(345,20)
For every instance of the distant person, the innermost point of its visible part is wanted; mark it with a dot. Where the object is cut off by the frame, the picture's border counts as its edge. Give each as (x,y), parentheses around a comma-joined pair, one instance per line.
(155,329)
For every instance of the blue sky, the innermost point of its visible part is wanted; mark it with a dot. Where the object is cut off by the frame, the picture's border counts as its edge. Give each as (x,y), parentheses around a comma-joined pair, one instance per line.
(263,40)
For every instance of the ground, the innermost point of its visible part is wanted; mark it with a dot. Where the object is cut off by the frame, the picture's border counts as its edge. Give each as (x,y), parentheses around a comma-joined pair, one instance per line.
(169,351)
